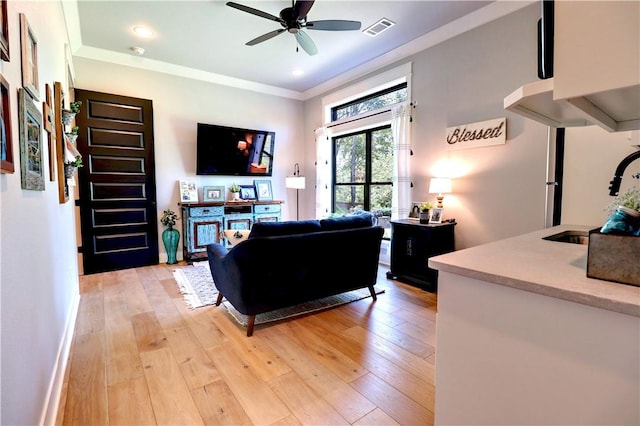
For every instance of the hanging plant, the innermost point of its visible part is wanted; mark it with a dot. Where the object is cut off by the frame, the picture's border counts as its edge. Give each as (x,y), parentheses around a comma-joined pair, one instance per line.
(69,114)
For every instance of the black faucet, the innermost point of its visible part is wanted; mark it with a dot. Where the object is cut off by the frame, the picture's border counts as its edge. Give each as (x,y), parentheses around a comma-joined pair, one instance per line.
(614,186)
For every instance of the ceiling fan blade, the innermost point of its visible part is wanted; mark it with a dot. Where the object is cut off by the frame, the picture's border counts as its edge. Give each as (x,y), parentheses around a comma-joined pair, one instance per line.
(306,43)
(333,25)
(253,11)
(301,9)
(265,37)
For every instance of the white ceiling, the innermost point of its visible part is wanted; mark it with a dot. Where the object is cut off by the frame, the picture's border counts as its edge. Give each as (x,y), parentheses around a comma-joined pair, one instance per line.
(206,39)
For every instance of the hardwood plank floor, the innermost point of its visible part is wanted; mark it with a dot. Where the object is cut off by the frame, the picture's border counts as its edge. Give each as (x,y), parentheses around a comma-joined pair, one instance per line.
(140,356)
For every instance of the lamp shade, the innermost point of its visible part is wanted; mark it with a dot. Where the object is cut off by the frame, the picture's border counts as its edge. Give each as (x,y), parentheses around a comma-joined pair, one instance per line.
(440,186)
(295,182)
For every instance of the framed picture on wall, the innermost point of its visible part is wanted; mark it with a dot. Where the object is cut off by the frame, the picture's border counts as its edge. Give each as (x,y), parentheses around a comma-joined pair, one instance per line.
(6,147)
(29,51)
(4,35)
(263,190)
(31,164)
(213,193)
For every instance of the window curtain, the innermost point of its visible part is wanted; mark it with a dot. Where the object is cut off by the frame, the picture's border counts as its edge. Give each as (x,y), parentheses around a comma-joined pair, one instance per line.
(323,172)
(401,131)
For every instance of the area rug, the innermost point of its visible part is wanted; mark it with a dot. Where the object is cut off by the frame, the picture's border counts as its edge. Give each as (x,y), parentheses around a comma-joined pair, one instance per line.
(196,285)
(303,308)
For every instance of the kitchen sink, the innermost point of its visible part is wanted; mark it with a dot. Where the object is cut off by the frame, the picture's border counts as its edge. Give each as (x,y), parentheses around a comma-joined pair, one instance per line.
(573,237)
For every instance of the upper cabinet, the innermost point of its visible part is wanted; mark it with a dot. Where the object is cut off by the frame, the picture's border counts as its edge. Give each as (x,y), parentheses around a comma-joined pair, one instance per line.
(596,69)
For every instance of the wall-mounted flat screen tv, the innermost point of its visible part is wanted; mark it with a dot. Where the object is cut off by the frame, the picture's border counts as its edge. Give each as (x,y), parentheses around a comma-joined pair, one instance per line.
(233,151)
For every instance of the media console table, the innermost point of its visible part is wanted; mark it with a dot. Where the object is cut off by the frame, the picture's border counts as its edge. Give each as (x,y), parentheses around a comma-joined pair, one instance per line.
(204,223)
(412,244)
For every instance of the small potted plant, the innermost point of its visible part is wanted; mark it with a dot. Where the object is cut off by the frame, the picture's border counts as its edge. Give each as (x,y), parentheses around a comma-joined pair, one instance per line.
(424,211)
(170,236)
(69,114)
(73,134)
(235,191)
(71,166)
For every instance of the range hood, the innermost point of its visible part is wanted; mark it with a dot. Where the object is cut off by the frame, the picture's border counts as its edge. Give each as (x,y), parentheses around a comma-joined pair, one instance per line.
(614,110)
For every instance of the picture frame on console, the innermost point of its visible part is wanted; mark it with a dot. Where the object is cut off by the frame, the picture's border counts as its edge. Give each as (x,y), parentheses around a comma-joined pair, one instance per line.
(263,190)
(436,215)
(414,213)
(188,191)
(213,193)
(247,192)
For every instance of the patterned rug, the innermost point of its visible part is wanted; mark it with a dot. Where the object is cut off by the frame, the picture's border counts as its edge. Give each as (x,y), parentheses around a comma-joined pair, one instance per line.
(196,285)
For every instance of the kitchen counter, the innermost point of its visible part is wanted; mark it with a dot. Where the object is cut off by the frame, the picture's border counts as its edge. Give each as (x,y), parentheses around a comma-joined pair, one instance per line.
(524,337)
(549,268)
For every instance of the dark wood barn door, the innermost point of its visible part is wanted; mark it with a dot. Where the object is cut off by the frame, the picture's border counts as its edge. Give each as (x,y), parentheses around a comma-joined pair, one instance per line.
(117,186)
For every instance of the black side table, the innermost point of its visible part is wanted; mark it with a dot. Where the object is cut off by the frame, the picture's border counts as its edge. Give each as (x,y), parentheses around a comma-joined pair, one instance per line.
(412,244)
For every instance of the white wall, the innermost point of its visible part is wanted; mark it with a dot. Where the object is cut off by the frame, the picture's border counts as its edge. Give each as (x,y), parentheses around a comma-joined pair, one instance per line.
(592,155)
(38,272)
(178,105)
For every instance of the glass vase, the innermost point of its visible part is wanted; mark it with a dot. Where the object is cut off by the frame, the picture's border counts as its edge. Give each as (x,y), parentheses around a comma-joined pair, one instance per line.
(170,239)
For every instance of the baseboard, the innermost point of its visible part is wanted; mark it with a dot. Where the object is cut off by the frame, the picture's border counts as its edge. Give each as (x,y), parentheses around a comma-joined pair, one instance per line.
(52,401)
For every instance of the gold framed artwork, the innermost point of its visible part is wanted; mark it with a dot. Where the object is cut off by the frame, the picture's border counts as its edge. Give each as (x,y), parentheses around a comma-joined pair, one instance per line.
(6,147)
(4,35)
(31,162)
(29,51)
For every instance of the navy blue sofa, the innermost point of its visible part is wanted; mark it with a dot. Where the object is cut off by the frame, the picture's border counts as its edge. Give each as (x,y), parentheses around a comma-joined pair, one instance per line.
(283,264)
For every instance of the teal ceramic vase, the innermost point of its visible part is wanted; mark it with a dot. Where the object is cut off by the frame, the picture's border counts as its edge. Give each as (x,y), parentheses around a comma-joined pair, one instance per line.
(170,239)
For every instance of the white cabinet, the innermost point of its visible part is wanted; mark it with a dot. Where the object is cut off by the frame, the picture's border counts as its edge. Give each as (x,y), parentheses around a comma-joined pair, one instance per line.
(596,47)
(596,69)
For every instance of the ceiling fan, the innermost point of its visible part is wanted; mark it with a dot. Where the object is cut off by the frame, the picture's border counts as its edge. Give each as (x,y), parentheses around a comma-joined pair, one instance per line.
(293,19)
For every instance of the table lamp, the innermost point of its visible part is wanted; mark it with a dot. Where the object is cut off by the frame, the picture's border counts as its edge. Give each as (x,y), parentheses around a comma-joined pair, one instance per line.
(297,182)
(440,186)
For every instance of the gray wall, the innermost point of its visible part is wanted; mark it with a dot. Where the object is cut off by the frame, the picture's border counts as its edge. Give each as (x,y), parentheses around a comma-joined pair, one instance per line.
(498,191)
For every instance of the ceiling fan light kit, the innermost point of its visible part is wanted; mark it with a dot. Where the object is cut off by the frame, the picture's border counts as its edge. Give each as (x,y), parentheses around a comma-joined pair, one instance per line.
(293,19)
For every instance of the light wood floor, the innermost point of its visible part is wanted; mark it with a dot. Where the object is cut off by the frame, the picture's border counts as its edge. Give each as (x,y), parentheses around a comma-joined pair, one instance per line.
(140,356)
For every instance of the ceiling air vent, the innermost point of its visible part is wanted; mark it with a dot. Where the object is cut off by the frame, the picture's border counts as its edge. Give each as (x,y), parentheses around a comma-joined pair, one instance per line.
(379,27)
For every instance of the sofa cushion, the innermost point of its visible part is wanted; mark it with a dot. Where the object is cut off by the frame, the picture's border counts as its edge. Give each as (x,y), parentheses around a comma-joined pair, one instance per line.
(347,222)
(277,229)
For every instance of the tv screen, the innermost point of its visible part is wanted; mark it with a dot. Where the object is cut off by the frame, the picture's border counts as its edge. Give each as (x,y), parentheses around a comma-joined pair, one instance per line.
(232,151)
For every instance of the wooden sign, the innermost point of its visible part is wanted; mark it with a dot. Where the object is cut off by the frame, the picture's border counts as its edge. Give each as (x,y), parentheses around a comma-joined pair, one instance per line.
(47,112)
(476,135)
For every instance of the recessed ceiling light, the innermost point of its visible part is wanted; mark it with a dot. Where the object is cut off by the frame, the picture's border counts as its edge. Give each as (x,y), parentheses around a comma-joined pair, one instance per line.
(142,31)
(298,72)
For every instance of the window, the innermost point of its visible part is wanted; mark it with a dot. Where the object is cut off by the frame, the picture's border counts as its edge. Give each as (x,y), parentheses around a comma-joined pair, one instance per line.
(362,171)
(377,100)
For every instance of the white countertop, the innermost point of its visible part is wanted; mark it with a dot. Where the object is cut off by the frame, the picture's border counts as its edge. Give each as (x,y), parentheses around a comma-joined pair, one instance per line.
(550,268)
